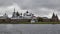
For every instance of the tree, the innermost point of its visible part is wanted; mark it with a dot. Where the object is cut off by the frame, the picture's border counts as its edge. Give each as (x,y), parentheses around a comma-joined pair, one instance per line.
(39,19)
(17,13)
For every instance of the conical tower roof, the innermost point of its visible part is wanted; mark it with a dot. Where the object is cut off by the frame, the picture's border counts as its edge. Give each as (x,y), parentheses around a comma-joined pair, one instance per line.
(14,10)
(53,15)
(5,15)
(13,15)
(56,16)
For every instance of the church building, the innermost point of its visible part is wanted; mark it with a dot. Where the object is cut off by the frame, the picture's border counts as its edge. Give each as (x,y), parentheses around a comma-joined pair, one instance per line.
(16,16)
(54,18)
(27,17)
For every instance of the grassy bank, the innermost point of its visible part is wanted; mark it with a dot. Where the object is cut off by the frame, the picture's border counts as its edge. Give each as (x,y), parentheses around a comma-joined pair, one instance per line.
(39,23)
(32,23)
(47,23)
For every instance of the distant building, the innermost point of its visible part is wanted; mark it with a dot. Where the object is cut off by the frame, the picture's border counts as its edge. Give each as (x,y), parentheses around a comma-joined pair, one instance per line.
(54,18)
(32,21)
(16,16)
(5,16)
(27,17)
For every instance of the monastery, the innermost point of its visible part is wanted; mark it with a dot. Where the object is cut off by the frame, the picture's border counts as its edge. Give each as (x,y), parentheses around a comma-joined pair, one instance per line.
(19,17)
(26,17)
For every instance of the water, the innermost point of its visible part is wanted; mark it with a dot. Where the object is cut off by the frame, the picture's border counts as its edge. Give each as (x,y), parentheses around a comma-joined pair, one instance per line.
(29,28)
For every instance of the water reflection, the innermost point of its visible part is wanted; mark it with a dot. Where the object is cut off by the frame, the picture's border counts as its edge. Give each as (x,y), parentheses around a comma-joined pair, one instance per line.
(29,29)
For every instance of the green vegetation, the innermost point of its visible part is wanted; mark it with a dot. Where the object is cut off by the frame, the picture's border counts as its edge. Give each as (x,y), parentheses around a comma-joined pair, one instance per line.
(47,23)
(31,23)
(39,19)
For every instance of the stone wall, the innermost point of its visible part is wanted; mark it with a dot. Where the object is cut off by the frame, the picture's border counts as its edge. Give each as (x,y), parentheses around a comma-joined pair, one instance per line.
(14,20)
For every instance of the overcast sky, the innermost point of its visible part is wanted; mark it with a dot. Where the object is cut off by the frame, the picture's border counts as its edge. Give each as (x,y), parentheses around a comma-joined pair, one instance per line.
(41,8)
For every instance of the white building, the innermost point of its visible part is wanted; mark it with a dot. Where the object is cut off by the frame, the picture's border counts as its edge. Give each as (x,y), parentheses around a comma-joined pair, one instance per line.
(5,16)
(17,15)
(27,15)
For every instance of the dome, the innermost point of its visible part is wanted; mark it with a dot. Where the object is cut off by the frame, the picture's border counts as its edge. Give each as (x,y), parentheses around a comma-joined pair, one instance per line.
(28,14)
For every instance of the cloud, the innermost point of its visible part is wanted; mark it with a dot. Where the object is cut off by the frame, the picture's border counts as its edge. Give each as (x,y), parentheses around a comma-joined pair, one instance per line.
(42,12)
(38,7)
(6,2)
(29,4)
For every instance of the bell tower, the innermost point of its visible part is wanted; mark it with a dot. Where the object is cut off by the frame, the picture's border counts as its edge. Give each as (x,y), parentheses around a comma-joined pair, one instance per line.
(14,14)
(54,18)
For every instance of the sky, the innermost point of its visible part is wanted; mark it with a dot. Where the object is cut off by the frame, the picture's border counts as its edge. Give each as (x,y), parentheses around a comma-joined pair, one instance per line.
(42,8)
